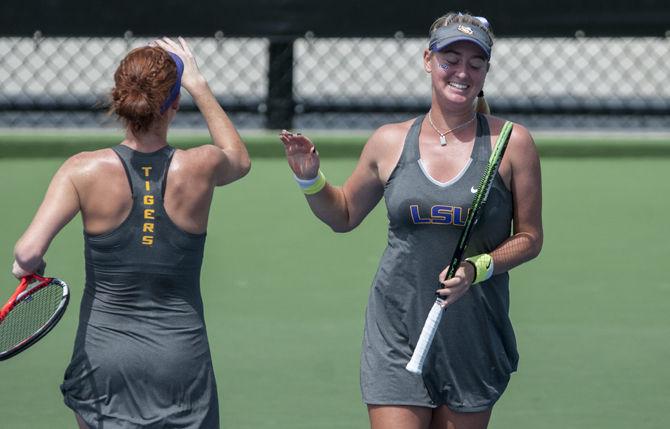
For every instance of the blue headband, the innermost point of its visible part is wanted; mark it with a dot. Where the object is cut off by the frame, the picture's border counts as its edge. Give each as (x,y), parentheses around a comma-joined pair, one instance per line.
(174,91)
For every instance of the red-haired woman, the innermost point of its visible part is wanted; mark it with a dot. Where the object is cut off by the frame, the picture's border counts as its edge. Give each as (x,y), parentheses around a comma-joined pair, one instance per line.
(427,170)
(141,356)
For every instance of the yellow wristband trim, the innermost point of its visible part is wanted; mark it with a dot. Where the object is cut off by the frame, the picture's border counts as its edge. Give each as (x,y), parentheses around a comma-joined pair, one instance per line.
(317,186)
(483,267)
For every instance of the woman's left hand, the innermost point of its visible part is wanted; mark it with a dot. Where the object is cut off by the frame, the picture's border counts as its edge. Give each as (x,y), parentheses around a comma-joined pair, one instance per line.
(455,287)
(191,76)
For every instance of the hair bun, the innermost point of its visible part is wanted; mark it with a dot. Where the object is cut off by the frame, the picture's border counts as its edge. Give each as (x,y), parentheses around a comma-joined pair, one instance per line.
(142,83)
(134,103)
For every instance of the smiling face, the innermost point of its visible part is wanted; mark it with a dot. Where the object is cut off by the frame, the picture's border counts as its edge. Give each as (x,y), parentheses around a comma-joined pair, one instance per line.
(457,72)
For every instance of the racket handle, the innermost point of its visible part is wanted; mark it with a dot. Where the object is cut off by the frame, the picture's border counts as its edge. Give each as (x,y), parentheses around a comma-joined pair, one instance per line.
(415,364)
(11,302)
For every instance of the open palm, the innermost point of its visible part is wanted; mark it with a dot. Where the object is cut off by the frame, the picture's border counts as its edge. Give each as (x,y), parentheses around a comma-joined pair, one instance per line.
(301,154)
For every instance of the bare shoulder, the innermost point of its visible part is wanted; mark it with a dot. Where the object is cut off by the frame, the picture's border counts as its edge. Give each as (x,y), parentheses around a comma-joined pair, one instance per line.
(390,134)
(203,157)
(521,156)
(98,162)
(383,149)
(387,141)
(520,137)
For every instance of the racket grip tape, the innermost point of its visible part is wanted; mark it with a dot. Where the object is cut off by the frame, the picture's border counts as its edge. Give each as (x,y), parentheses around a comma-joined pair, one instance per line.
(415,364)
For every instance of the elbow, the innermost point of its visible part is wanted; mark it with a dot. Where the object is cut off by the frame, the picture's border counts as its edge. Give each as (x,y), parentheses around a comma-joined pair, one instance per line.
(529,245)
(237,171)
(243,159)
(340,229)
(242,165)
(344,226)
(536,246)
(346,220)
(28,257)
(245,166)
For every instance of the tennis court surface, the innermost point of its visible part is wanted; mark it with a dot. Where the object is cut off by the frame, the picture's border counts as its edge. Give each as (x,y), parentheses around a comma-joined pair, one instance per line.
(285,297)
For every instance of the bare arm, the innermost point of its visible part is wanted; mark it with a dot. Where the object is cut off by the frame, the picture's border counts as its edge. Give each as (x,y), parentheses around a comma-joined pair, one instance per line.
(231,158)
(526,240)
(341,208)
(60,205)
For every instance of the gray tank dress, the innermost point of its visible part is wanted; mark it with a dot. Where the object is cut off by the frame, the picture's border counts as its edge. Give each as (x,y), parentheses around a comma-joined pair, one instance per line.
(474,351)
(141,357)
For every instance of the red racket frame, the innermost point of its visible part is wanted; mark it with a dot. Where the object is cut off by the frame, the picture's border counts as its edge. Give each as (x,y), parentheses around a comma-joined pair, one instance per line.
(21,293)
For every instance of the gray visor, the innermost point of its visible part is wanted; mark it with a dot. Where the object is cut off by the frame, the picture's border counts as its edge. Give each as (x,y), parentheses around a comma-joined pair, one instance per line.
(455,32)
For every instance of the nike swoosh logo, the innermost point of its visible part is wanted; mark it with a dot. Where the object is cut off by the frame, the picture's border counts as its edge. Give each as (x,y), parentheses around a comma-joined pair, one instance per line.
(473,190)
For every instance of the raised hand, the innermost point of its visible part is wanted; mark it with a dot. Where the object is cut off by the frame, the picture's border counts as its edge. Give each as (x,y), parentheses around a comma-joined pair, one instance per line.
(192,76)
(301,154)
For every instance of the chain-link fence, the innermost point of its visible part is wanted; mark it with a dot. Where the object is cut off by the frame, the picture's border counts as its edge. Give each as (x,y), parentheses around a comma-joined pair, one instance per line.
(347,83)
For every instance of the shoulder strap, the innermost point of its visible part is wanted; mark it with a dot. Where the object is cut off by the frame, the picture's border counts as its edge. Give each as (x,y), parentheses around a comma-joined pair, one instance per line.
(482,147)
(123,153)
(163,183)
(410,150)
(144,168)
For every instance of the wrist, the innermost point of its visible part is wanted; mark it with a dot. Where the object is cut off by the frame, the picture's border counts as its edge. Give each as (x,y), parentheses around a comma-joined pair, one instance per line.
(483,265)
(197,86)
(474,270)
(313,185)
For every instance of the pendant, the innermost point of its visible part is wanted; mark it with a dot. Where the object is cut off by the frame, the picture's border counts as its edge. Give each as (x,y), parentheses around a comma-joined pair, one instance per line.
(443,141)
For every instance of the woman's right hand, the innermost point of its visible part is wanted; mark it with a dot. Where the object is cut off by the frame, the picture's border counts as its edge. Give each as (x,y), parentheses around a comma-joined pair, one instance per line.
(19,272)
(301,154)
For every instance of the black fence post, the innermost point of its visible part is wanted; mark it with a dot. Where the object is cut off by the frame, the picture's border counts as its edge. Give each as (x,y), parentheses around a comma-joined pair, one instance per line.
(280,103)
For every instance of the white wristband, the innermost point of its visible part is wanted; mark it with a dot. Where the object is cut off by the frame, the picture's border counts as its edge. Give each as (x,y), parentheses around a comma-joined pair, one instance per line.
(305,183)
(312,186)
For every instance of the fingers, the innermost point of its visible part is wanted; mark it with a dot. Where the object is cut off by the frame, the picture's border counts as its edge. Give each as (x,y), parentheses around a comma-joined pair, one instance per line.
(185,46)
(450,295)
(41,268)
(171,43)
(301,154)
(443,275)
(288,135)
(465,273)
(180,48)
(168,45)
(297,140)
(18,271)
(455,287)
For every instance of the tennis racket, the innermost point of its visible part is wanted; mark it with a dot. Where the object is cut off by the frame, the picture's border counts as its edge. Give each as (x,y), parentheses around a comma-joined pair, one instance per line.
(36,306)
(418,358)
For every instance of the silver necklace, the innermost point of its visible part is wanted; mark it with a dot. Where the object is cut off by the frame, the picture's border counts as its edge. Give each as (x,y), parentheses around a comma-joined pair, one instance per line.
(443,139)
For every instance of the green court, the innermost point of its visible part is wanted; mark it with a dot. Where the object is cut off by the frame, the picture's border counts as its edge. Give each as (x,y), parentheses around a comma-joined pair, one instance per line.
(285,298)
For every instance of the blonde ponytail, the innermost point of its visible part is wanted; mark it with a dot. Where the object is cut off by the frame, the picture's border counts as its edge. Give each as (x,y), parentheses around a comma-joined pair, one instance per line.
(481,105)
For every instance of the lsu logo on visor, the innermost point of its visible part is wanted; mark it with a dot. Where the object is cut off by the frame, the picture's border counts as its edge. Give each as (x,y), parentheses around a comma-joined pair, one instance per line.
(465,29)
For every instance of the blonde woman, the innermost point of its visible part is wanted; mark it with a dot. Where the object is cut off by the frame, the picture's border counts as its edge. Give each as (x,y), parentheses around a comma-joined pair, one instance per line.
(427,169)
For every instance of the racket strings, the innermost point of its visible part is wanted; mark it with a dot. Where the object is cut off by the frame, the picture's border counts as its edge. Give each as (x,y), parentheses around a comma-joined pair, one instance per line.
(29,316)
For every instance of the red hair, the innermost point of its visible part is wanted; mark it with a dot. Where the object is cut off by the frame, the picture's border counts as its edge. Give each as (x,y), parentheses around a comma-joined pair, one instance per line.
(142,83)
